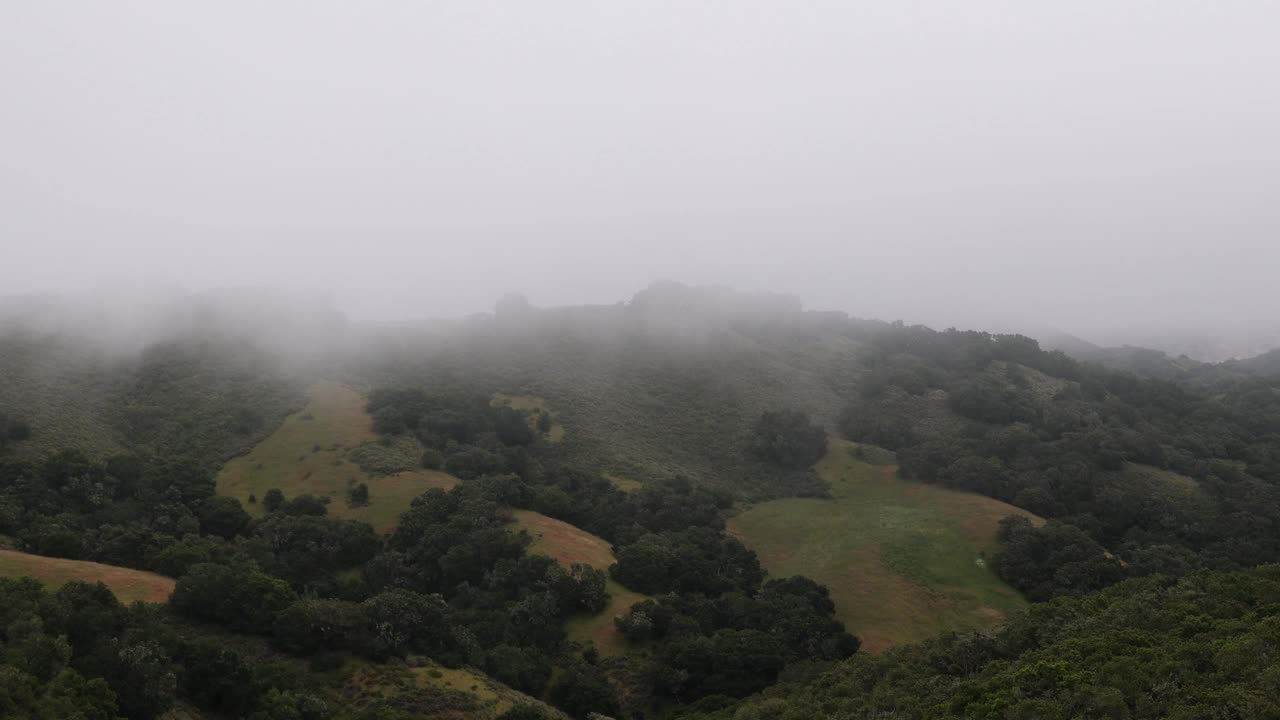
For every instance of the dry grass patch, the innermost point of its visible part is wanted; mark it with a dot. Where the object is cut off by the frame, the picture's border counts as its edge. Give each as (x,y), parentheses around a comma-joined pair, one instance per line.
(568,544)
(127,584)
(564,543)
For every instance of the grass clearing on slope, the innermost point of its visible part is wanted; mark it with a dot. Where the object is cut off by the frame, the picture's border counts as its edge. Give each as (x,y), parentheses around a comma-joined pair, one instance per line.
(428,690)
(564,543)
(534,406)
(904,560)
(127,584)
(568,544)
(309,453)
(599,629)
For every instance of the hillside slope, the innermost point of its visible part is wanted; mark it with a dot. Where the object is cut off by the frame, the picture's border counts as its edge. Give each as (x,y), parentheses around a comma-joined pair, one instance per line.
(646,391)
(568,545)
(904,561)
(129,585)
(318,451)
(208,399)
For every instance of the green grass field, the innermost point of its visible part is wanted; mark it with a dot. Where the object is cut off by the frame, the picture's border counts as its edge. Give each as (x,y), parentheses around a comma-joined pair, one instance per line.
(309,453)
(128,585)
(904,561)
(568,544)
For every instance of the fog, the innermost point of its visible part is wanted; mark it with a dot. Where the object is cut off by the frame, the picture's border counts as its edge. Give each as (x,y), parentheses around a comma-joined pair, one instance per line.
(1097,167)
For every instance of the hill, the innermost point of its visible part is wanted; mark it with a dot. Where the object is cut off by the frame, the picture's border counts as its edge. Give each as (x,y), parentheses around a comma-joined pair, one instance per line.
(127,584)
(904,561)
(320,450)
(1267,363)
(204,398)
(649,418)
(667,385)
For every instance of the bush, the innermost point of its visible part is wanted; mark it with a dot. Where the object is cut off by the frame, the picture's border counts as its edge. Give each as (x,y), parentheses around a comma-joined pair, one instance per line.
(239,596)
(360,494)
(222,516)
(305,505)
(787,438)
(272,500)
(432,459)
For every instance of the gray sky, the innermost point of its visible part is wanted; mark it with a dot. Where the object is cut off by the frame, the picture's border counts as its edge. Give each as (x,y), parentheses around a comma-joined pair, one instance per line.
(980,163)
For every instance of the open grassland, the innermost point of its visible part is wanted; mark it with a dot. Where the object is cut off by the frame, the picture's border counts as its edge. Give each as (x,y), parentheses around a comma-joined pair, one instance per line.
(128,585)
(568,544)
(904,561)
(534,406)
(309,454)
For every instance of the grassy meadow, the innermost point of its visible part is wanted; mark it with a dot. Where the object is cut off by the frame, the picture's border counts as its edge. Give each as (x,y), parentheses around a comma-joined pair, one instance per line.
(310,454)
(904,560)
(128,585)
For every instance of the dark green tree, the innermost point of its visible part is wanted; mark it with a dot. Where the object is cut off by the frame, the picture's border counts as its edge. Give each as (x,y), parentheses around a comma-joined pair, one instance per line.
(272,500)
(787,438)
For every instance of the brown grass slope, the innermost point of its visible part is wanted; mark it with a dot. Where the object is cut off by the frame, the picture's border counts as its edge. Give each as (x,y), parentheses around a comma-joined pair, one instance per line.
(568,544)
(128,585)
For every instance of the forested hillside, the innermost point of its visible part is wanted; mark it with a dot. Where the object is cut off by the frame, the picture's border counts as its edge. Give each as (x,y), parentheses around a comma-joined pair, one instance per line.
(357,520)
(206,379)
